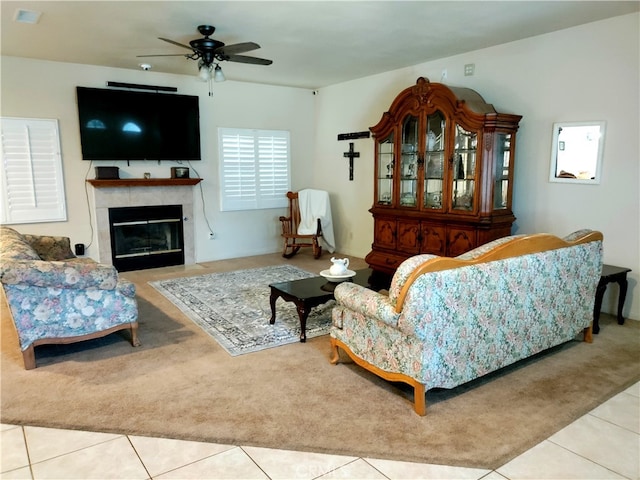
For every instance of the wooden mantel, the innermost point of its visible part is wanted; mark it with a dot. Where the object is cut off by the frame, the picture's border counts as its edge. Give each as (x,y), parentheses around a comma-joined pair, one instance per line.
(143,182)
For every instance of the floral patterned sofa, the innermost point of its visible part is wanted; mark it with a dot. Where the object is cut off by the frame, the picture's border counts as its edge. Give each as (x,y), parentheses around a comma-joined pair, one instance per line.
(55,297)
(446,321)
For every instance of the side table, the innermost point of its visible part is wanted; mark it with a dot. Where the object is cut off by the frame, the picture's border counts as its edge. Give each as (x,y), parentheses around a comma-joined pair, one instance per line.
(610,274)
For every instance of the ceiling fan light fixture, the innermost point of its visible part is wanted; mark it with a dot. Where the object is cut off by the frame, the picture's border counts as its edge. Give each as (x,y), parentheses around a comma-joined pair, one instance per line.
(218,75)
(204,72)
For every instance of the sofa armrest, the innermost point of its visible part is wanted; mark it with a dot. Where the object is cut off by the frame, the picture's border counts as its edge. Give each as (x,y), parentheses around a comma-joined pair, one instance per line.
(126,287)
(403,273)
(76,275)
(580,235)
(367,302)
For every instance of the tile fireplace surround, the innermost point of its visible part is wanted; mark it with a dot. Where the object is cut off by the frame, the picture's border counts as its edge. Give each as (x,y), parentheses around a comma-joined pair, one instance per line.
(139,193)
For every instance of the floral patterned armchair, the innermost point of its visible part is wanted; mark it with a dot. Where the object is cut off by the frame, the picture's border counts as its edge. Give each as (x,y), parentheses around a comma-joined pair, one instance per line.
(447,321)
(55,297)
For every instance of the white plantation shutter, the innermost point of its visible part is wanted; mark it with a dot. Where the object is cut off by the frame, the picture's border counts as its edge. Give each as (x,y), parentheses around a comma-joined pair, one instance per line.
(32,182)
(254,168)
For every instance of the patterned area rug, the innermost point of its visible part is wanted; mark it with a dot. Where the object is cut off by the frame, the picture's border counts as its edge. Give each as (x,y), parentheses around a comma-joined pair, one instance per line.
(234,308)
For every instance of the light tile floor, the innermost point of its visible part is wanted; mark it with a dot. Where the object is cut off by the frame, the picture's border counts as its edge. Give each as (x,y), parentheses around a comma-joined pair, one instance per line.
(604,444)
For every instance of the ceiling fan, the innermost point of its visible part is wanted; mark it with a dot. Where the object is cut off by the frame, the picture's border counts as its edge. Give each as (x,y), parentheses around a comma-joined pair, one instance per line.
(209,52)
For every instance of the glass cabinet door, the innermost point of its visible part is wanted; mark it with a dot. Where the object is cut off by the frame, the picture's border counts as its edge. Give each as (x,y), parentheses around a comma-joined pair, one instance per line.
(386,163)
(409,162)
(464,169)
(502,163)
(434,160)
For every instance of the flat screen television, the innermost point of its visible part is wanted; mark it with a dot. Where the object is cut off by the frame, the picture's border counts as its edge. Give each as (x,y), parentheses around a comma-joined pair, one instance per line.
(131,125)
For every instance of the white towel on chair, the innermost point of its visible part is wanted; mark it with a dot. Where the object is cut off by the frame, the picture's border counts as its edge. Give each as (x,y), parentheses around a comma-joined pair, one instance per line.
(315,204)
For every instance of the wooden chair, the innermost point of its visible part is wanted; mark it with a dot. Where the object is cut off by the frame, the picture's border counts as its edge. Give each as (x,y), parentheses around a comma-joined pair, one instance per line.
(293,241)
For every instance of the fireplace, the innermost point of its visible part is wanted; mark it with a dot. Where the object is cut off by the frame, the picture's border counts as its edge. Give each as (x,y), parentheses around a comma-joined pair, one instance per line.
(146,237)
(136,192)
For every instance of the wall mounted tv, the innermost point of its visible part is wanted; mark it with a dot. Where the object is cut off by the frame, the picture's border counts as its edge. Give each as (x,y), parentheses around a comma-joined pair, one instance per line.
(130,125)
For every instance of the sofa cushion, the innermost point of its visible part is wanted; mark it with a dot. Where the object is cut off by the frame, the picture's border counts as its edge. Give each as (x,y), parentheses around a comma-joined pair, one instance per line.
(14,246)
(50,248)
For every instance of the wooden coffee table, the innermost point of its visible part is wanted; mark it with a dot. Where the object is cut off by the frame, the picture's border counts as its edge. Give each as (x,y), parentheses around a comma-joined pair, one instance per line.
(308,293)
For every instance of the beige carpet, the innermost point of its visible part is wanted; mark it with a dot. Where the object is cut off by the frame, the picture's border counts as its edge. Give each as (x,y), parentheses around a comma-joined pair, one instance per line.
(181,384)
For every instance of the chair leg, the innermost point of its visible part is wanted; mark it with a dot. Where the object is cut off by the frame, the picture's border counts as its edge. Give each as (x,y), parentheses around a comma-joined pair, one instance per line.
(419,401)
(29,358)
(588,334)
(335,355)
(294,248)
(317,249)
(135,341)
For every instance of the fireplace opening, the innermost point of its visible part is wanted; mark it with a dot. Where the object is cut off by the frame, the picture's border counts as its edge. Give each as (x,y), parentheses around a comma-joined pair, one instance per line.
(146,237)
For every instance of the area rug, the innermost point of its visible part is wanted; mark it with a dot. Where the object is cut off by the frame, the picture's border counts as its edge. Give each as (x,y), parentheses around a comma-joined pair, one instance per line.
(234,308)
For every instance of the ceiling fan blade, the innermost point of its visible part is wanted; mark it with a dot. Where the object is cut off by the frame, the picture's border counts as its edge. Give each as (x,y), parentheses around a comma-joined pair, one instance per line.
(175,43)
(237,48)
(166,55)
(246,59)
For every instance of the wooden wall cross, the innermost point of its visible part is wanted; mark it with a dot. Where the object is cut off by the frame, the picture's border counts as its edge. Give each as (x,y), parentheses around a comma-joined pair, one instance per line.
(351,155)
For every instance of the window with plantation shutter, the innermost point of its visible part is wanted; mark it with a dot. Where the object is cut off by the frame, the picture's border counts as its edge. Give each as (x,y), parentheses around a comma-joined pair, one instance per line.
(32,182)
(254,168)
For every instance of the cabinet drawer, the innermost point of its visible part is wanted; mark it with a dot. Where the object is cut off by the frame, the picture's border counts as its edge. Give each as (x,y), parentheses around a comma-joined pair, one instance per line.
(384,262)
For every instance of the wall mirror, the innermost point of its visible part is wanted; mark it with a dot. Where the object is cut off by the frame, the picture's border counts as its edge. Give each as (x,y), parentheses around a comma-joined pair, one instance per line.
(576,152)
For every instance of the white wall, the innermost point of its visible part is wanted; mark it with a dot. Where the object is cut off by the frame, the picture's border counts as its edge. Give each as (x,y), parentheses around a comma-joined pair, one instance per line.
(32,88)
(589,72)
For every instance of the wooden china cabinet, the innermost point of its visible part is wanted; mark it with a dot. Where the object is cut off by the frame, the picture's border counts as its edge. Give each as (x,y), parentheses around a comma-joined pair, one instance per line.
(443,174)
